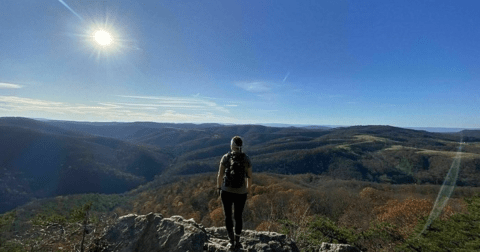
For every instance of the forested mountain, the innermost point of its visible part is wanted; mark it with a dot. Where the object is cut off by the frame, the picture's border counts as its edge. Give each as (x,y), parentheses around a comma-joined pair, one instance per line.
(39,160)
(47,158)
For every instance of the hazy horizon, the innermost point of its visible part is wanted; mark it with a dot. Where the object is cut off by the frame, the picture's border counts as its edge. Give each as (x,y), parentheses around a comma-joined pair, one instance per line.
(429,129)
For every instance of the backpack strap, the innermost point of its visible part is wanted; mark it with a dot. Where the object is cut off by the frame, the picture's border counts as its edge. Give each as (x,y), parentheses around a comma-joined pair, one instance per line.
(227,160)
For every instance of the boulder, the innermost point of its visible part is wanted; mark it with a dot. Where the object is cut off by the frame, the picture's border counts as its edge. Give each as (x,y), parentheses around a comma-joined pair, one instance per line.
(153,232)
(330,247)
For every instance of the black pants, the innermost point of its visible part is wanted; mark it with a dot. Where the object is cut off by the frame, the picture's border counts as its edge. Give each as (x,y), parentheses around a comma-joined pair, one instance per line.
(238,202)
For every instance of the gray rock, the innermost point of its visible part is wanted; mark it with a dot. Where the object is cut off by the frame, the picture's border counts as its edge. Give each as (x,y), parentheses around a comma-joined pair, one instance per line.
(330,247)
(251,241)
(152,232)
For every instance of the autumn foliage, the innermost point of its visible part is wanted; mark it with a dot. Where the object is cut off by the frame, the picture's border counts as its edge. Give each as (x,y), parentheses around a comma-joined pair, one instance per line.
(308,208)
(407,213)
(379,215)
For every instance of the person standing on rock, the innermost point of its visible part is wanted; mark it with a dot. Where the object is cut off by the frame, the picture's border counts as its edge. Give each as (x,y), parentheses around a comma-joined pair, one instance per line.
(233,183)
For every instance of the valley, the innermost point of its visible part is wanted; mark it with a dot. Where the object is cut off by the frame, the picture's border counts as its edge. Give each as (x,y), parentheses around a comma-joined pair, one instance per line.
(50,158)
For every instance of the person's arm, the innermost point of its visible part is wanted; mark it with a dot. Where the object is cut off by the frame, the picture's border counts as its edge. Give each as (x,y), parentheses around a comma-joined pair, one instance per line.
(221,172)
(249,178)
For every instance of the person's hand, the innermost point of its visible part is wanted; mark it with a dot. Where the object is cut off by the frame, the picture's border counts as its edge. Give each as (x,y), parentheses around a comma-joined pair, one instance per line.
(218,191)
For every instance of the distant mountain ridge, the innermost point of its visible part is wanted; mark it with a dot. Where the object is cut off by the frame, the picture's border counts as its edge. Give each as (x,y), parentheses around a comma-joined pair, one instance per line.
(121,130)
(48,158)
(439,129)
(470,133)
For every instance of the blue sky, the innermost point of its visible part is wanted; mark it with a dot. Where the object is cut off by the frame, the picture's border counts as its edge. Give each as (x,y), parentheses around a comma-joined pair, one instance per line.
(400,63)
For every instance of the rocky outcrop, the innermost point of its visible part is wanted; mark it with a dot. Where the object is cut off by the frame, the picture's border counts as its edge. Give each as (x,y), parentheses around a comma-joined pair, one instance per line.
(153,232)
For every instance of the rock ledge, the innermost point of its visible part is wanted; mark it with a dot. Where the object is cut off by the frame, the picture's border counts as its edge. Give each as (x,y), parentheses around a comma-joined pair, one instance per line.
(153,232)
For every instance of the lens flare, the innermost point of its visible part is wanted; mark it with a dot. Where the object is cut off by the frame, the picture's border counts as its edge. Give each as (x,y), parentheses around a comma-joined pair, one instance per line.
(447,188)
(70,9)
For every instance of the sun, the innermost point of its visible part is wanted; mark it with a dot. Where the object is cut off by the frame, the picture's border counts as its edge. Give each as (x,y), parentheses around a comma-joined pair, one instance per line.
(103,38)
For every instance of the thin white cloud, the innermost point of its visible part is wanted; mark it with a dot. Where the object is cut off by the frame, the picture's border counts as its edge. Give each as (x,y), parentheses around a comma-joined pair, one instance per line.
(194,103)
(108,104)
(172,105)
(110,111)
(231,105)
(145,97)
(9,86)
(255,87)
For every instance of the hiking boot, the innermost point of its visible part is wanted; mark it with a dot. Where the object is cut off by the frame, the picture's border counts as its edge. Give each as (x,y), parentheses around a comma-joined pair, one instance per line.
(237,241)
(231,243)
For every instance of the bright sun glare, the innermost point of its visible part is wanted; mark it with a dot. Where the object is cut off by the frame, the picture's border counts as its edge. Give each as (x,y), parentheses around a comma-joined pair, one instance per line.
(103,38)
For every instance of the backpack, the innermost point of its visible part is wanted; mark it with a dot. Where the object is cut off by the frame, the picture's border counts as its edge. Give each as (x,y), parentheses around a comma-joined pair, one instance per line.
(235,170)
